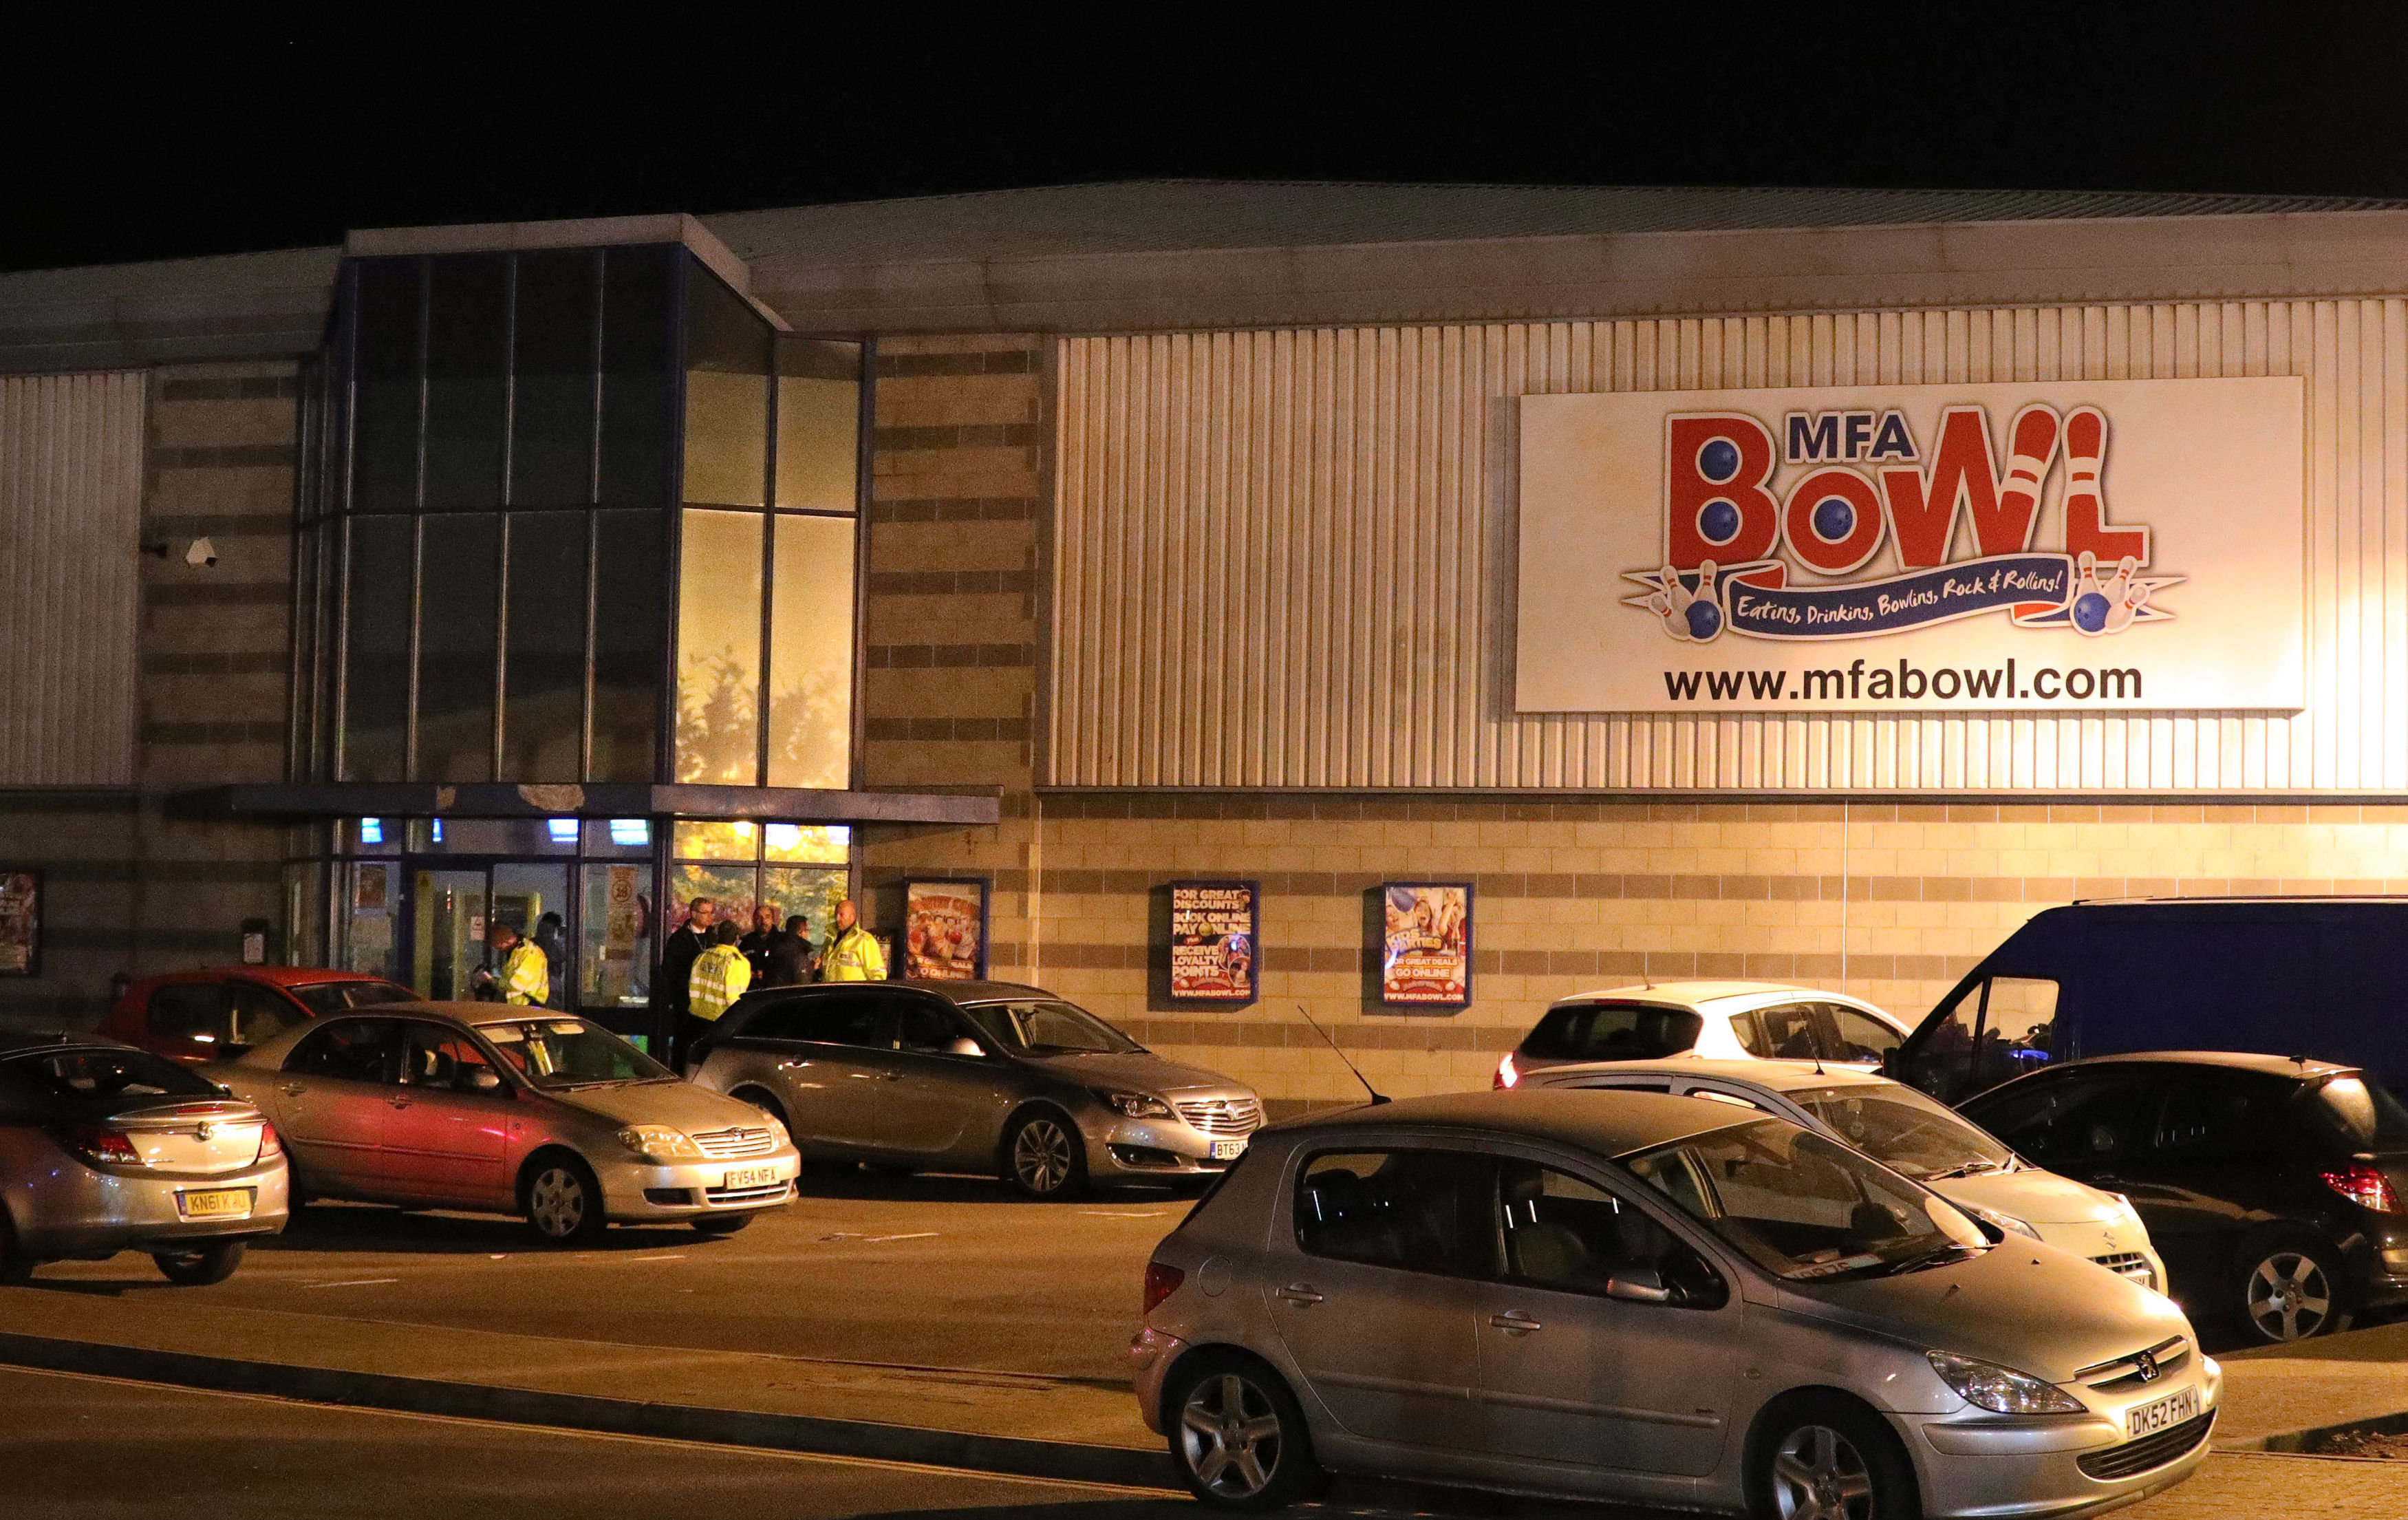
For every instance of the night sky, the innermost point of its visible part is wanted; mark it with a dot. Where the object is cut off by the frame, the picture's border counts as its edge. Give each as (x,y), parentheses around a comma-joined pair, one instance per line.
(162,138)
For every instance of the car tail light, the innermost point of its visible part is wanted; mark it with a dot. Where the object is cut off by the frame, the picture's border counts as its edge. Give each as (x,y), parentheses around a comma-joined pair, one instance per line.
(270,1147)
(96,1145)
(1506,1075)
(2364,1187)
(1161,1280)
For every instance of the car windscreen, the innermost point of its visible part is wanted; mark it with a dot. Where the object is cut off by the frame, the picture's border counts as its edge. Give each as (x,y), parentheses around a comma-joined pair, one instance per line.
(1803,1206)
(2361,1113)
(1047,1027)
(103,1077)
(1905,1130)
(570,1053)
(1614,1032)
(324,997)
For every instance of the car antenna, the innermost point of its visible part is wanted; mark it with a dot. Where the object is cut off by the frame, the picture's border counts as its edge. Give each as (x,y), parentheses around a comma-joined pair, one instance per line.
(1377,1096)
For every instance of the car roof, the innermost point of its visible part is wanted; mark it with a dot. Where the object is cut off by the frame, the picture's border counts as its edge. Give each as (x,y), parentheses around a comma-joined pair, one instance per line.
(2274,1066)
(1772,1076)
(1603,1123)
(1703,994)
(958,991)
(19,1041)
(275,976)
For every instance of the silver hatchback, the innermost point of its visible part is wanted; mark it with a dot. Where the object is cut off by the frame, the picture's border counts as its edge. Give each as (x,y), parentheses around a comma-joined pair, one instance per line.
(975,1076)
(1642,1297)
(104,1148)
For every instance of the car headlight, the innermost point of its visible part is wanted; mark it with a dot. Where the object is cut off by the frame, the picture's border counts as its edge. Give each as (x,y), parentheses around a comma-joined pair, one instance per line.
(2132,1215)
(2001,1389)
(2005,1222)
(779,1138)
(659,1142)
(1135,1105)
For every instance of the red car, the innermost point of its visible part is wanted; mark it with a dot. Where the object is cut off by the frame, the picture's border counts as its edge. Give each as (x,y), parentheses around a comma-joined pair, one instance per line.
(218,1012)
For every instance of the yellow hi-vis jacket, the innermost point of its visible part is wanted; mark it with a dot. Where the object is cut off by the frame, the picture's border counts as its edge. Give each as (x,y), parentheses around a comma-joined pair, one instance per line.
(526,976)
(720,974)
(854,958)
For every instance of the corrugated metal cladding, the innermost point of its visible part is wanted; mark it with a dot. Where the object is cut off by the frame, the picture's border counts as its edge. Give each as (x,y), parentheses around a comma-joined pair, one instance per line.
(70,526)
(1286,559)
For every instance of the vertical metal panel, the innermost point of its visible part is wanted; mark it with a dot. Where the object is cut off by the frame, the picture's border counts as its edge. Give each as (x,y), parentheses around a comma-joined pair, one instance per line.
(70,526)
(1285,558)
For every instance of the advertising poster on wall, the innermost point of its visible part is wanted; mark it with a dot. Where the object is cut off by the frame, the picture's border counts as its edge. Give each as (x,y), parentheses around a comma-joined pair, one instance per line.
(1426,959)
(1214,946)
(21,923)
(944,929)
(2047,547)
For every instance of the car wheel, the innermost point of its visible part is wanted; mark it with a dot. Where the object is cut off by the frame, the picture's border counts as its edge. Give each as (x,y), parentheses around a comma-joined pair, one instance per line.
(719,1224)
(1044,1157)
(1824,1456)
(1237,1436)
(564,1201)
(2291,1290)
(201,1264)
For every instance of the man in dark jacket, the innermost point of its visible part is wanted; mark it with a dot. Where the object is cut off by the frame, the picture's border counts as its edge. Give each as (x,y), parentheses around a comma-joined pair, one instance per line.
(677,968)
(790,954)
(757,945)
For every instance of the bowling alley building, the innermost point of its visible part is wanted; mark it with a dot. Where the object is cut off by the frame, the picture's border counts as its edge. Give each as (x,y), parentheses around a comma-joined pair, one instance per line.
(1601,550)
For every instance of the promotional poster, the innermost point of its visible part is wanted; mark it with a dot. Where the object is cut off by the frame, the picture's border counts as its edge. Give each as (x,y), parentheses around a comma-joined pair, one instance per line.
(944,930)
(21,923)
(2044,547)
(1426,956)
(1213,941)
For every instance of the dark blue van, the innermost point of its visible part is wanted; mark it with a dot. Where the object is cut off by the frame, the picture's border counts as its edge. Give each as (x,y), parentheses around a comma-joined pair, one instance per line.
(2322,977)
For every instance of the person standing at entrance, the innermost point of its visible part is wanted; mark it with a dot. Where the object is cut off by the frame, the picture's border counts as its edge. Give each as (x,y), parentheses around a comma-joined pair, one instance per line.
(758,945)
(852,955)
(678,956)
(552,938)
(525,977)
(720,976)
(790,955)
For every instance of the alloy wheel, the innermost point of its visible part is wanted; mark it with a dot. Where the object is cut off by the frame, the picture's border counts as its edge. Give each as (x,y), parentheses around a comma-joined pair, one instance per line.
(556,1203)
(1041,1155)
(2289,1298)
(1229,1434)
(1819,1474)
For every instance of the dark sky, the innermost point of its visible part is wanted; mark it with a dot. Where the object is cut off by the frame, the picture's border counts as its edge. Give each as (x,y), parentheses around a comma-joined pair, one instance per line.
(159,139)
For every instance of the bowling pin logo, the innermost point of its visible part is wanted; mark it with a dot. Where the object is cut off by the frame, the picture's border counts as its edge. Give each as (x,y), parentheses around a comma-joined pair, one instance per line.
(2089,607)
(1693,617)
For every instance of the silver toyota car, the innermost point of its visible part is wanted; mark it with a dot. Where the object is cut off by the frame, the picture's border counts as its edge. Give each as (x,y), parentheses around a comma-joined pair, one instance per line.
(1652,1299)
(104,1149)
(975,1076)
(484,1105)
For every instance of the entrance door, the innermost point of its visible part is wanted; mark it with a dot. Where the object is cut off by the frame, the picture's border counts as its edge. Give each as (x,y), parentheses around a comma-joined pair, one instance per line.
(454,906)
(533,898)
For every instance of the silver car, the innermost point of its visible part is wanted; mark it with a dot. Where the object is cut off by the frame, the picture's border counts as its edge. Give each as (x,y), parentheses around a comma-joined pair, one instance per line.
(1728,1021)
(503,1109)
(1907,1131)
(104,1148)
(975,1076)
(1651,1299)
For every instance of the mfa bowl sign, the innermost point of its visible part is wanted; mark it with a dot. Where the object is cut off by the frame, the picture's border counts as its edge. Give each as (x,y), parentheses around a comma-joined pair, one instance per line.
(2118,544)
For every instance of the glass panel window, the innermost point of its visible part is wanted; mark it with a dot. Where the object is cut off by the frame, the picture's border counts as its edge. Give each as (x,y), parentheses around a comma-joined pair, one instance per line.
(810,653)
(384,428)
(1564,1233)
(460,607)
(726,439)
(371,898)
(1414,1211)
(490,836)
(448,934)
(735,839)
(719,649)
(619,837)
(731,888)
(819,424)
(636,421)
(628,625)
(615,962)
(809,893)
(376,676)
(826,844)
(467,338)
(552,419)
(543,725)
(1614,1032)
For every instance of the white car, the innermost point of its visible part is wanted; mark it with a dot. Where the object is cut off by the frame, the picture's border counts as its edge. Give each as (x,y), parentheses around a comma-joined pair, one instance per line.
(1729,1020)
(1908,1132)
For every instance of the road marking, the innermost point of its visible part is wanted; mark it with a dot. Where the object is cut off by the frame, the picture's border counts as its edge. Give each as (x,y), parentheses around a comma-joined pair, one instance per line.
(655,1258)
(1108,1213)
(874,1240)
(354,1283)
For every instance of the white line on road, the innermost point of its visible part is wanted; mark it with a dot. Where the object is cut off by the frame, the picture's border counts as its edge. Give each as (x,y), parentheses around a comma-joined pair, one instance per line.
(1108,1213)
(354,1283)
(923,1235)
(656,1258)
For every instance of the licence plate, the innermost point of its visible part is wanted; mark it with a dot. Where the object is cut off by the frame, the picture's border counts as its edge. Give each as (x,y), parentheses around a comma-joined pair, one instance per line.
(751,1177)
(222,1203)
(1228,1150)
(2156,1415)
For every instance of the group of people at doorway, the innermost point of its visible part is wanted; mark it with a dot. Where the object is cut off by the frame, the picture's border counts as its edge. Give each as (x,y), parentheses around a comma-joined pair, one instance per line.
(708,965)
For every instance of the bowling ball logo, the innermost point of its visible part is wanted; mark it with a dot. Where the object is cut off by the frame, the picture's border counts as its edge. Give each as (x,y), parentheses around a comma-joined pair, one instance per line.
(1705,620)
(1835,518)
(1718,520)
(2089,612)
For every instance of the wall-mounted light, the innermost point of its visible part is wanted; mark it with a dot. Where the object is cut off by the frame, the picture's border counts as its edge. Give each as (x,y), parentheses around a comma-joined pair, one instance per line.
(562,830)
(371,831)
(631,832)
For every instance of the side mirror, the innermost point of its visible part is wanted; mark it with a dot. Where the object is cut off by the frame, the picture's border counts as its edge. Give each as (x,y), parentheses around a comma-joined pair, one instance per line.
(1639,1285)
(223,1091)
(963,1045)
(482,1080)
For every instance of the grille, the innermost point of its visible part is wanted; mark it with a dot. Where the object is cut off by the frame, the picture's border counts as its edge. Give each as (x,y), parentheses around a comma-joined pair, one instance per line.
(2138,1456)
(744,1195)
(2166,1357)
(2129,1264)
(1223,1115)
(731,1144)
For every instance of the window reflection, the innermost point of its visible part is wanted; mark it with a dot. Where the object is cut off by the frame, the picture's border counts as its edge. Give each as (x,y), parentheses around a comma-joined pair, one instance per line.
(544,723)
(719,648)
(460,605)
(810,653)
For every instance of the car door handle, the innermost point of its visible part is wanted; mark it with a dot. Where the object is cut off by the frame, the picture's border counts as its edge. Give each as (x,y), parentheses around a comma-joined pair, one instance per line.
(1298,1293)
(1514,1322)
(398,1103)
(290,1089)
(890,1076)
(792,1066)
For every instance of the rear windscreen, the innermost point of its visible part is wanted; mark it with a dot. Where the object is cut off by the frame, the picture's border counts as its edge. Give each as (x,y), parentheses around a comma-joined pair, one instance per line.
(99,1076)
(1614,1032)
(2361,1113)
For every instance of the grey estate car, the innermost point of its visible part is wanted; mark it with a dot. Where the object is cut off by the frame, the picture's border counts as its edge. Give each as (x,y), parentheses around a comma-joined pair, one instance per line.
(974,1076)
(1647,1298)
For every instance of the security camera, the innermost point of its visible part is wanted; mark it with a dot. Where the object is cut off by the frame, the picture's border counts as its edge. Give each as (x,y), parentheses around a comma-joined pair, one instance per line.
(202,555)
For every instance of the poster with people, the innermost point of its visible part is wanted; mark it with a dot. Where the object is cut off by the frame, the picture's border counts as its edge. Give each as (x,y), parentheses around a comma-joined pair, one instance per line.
(21,923)
(1213,945)
(1427,957)
(944,930)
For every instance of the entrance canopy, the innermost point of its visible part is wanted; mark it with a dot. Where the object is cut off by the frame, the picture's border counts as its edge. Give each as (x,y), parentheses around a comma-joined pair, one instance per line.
(502,800)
